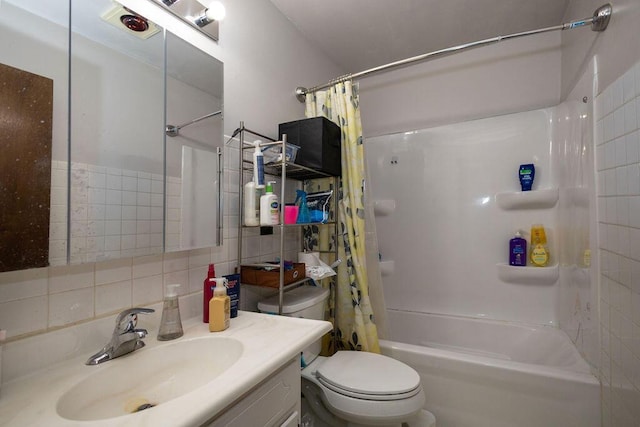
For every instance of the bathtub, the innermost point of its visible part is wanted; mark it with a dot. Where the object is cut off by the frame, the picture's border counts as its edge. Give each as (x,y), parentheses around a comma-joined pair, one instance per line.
(482,373)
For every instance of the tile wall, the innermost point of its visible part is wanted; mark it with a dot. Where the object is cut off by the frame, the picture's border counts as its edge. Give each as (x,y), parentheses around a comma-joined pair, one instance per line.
(618,174)
(115,213)
(41,300)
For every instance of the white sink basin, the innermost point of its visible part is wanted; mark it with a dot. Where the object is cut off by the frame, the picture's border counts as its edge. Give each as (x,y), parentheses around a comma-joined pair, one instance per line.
(148,377)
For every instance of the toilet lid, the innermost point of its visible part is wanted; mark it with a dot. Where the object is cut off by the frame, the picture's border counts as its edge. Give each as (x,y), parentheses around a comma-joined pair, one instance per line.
(368,375)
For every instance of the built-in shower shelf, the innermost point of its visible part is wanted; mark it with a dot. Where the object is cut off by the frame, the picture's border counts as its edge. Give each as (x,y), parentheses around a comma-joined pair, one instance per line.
(528,275)
(387,267)
(537,199)
(384,207)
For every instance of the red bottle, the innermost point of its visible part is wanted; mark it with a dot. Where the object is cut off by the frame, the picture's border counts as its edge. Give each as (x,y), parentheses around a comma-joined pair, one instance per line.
(207,292)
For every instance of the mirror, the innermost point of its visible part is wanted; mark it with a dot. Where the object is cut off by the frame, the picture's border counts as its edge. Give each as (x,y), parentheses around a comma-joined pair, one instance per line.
(116,138)
(35,42)
(108,120)
(193,145)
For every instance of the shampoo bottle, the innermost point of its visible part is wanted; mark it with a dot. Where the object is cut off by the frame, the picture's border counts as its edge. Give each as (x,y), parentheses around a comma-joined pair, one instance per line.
(258,165)
(251,207)
(526,174)
(219,307)
(269,208)
(518,251)
(207,292)
(539,253)
(170,323)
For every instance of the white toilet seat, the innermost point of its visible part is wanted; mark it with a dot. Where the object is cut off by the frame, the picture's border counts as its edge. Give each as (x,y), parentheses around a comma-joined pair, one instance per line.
(394,392)
(368,376)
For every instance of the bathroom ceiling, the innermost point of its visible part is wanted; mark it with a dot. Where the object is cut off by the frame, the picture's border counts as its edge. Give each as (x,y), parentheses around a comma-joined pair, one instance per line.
(360,34)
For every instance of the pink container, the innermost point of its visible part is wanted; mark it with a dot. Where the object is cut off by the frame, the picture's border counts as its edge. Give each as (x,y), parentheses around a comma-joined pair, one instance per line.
(290,214)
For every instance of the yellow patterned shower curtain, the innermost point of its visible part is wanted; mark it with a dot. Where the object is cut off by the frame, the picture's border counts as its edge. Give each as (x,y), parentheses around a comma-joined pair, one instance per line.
(351,312)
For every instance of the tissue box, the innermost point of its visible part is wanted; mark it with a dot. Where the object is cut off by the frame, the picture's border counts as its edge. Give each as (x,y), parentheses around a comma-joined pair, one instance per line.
(273,153)
(319,142)
(255,274)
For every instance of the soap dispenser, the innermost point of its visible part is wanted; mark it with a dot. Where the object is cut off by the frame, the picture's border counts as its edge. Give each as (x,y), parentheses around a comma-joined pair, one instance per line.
(219,307)
(170,323)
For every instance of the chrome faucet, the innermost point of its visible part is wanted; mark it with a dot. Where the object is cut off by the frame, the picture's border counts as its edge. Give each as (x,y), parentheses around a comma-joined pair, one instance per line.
(125,339)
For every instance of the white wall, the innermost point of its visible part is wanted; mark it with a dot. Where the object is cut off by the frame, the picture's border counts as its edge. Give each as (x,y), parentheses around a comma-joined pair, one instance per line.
(447,235)
(614,50)
(511,76)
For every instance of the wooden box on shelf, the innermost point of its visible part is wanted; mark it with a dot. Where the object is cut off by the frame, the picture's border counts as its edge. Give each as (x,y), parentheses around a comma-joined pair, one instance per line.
(259,275)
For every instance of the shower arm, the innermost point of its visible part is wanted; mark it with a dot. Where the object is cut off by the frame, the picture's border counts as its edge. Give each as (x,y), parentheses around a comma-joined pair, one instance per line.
(599,22)
(172,130)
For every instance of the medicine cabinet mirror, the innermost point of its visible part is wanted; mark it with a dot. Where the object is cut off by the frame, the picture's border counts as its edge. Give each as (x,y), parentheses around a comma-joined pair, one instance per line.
(113,182)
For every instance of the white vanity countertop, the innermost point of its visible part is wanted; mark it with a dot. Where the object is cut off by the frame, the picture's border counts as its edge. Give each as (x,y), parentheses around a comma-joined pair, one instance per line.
(269,342)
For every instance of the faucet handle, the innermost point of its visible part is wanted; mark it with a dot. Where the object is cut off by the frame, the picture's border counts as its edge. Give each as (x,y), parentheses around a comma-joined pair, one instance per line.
(127,319)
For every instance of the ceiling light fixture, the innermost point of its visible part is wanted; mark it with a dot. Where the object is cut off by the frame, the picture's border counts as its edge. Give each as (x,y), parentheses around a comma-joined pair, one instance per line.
(214,11)
(170,3)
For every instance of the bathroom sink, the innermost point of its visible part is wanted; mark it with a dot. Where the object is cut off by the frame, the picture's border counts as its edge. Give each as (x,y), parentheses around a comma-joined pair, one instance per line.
(148,377)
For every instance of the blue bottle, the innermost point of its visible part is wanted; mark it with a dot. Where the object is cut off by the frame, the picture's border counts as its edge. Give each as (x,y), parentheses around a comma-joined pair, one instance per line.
(527,173)
(303,211)
(518,251)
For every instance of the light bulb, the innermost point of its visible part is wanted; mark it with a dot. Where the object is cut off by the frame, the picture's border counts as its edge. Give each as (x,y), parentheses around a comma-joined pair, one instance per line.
(216,11)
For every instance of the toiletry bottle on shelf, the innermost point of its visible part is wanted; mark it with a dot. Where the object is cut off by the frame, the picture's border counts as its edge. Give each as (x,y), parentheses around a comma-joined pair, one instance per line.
(170,323)
(518,251)
(258,165)
(303,210)
(251,207)
(233,291)
(207,292)
(527,173)
(219,307)
(539,253)
(269,208)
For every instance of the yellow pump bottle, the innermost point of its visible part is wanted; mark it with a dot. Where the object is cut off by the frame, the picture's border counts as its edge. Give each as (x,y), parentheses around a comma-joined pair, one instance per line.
(219,307)
(539,253)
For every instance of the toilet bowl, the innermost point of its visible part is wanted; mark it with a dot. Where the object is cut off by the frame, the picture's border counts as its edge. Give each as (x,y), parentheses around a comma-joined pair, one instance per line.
(352,388)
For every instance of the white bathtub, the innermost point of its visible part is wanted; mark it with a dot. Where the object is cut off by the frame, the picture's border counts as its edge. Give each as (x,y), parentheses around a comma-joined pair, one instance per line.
(480,373)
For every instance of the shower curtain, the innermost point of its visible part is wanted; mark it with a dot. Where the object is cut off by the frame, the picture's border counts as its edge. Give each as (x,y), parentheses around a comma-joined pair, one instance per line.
(350,308)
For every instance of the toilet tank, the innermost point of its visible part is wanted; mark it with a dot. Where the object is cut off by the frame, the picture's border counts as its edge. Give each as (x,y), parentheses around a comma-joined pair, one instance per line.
(305,302)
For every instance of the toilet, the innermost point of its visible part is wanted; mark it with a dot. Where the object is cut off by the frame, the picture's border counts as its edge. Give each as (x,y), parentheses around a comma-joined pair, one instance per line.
(352,388)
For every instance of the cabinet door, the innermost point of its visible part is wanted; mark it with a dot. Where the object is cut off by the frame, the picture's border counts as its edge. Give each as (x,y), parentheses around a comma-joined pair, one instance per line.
(292,421)
(276,402)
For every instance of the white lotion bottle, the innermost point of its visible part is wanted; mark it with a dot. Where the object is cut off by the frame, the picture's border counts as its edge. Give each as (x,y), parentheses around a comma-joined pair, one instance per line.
(251,207)
(269,207)
(258,165)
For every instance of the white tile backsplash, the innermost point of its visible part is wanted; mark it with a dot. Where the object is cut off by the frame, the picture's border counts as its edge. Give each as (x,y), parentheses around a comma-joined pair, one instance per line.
(147,289)
(70,307)
(110,298)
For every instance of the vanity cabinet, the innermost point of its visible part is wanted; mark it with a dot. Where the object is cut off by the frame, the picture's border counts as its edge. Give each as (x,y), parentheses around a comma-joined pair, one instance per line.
(275,402)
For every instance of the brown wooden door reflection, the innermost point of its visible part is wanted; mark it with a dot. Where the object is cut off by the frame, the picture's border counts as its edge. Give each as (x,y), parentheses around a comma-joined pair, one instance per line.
(26,115)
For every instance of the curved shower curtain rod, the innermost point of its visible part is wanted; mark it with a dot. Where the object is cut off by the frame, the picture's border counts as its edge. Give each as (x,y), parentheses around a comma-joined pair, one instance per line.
(599,22)
(172,130)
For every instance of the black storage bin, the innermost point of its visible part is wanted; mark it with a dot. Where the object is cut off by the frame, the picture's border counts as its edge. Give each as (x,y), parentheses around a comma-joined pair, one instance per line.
(319,142)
